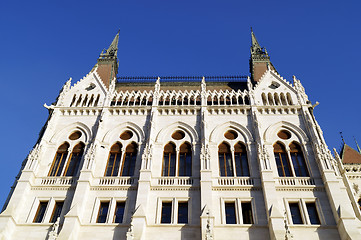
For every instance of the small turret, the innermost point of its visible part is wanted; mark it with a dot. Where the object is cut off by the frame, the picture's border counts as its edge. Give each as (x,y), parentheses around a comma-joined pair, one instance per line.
(259,61)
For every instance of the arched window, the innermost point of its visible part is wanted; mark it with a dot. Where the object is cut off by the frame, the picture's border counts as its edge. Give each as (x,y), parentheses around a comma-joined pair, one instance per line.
(113,164)
(169,160)
(129,160)
(185,160)
(282,161)
(225,160)
(240,158)
(74,160)
(298,161)
(59,160)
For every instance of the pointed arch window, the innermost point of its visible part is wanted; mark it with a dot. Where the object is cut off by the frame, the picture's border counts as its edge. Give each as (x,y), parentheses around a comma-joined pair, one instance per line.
(113,163)
(74,160)
(169,160)
(225,160)
(59,160)
(129,160)
(298,161)
(282,161)
(185,160)
(240,158)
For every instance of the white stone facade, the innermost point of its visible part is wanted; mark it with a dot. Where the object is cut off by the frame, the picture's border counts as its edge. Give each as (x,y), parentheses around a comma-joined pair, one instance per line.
(256,114)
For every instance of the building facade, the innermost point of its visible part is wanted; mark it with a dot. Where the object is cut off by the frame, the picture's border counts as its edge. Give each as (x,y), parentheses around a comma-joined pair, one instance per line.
(224,157)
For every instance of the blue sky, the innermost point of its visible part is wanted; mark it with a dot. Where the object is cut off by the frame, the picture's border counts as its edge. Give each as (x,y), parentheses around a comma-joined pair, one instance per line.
(43,43)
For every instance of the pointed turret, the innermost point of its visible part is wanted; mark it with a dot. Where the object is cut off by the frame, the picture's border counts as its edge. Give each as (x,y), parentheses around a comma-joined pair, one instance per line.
(108,62)
(260,61)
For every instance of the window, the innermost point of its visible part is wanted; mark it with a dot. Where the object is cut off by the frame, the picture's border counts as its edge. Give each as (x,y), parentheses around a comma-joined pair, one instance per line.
(298,161)
(39,216)
(228,159)
(359,203)
(74,162)
(169,160)
(185,160)
(113,164)
(225,160)
(129,160)
(119,212)
(312,213)
(247,215)
(59,160)
(240,157)
(166,212)
(282,161)
(295,213)
(57,211)
(183,212)
(230,209)
(103,212)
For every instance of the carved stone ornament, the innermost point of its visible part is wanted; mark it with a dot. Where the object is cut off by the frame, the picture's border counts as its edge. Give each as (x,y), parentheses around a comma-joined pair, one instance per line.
(205,156)
(53,233)
(288,234)
(300,89)
(147,156)
(90,156)
(209,235)
(156,90)
(64,90)
(356,188)
(33,156)
(263,156)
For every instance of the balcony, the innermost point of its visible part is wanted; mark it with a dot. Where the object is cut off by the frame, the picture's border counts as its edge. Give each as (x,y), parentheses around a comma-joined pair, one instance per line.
(233,181)
(172,181)
(295,181)
(115,181)
(55,181)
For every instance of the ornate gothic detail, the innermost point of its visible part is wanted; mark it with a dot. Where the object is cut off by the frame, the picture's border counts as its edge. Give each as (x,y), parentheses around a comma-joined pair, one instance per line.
(323,155)
(288,234)
(205,156)
(33,156)
(53,234)
(64,90)
(147,156)
(300,90)
(90,156)
(209,234)
(264,157)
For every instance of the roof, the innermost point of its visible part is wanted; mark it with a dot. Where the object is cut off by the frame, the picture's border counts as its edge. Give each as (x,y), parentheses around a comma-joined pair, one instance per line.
(350,155)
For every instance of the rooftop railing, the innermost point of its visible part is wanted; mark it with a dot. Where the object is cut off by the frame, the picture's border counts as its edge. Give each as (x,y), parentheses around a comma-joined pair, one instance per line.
(236,78)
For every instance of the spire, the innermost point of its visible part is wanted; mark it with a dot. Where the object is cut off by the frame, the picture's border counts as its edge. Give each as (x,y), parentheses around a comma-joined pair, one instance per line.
(113,48)
(260,60)
(358,147)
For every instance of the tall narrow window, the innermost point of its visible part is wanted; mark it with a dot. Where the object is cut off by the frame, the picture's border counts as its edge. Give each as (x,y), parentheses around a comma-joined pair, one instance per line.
(129,160)
(59,160)
(74,162)
(40,212)
(312,213)
(119,212)
(57,211)
(240,158)
(230,209)
(298,160)
(295,213)
(103,212)
(169,160)
(185,160)
(359,203)
(166,212)
(225,160)
(247,212)
(283,165)
(112,168)
(183,212)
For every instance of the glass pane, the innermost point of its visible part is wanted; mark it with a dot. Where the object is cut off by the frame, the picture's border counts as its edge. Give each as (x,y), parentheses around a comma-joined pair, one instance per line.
(116,165)
(299,164)
(55,167)
(172,165)
(241,164)
(110,164)
(40,212)
(166,212)
(103,212)
(247,213)
(165,166)
(119,212)
(312,213)
(57,211)
(295,213)
(222,168)
(229,165)
(230,213)
(183,212)
(73,164)
(286,165)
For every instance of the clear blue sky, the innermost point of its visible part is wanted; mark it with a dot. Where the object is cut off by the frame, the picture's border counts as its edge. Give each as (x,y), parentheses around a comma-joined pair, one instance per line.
(43,43)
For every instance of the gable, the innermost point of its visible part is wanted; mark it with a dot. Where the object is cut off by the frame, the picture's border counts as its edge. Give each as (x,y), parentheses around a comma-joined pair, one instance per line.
(350,156)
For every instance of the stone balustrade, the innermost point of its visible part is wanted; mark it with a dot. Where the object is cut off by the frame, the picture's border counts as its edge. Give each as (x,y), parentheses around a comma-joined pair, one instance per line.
(295,181)
(234,181)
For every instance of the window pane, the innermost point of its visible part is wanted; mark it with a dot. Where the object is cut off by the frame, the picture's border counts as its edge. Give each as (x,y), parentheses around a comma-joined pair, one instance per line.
(241,164)
(282,161)
(295,213)
(103,212)
(298,160)
(40,212)
(119,212)
(59,160)
(247,213)
(230,213)
(225,160)
(166,212)
(312,213)
(169,160)
(183,212)
(57,211)
(74,162)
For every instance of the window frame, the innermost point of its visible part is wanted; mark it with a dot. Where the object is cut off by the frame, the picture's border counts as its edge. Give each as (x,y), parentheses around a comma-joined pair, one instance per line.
(174,210)
(232,144)
(111,210)
(239,211)
(302,203)
(123,153)
(177,145)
